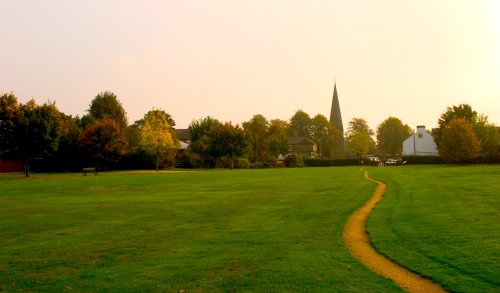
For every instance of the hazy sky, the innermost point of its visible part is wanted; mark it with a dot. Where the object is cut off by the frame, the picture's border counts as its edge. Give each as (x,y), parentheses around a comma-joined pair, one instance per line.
(233,59)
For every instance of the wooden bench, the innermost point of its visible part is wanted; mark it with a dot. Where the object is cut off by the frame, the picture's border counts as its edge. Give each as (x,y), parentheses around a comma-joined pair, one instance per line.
(89,170)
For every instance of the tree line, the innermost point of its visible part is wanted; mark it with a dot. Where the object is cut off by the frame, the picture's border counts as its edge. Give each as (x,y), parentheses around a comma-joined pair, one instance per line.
(44,136)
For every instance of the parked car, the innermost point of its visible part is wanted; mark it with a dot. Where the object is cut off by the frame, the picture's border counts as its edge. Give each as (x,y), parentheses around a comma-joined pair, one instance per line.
(370,160)
(392,162)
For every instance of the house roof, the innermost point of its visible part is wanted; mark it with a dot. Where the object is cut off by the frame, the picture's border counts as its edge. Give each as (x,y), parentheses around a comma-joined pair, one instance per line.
(182,134)
(300,140)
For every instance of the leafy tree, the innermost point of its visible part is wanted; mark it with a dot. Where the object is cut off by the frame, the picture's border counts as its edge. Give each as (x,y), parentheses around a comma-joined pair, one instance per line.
(156,134)
(199,131)
(458,141)
(390,135)
(488,136)
(68,152)
(11,119)
(140,123)
(463,111)
(300,125)
(277,137)
(226,140)
(211,140)
(319,131)
(29,131)
(327,136)
(133,135)
(103,141)
(106,105)
(359,137)
(487,133)
(256,130)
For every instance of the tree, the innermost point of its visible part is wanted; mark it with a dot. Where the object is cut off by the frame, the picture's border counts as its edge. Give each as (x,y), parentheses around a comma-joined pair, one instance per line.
(156,134)
(300,125)
(390,135)
(463,111)
(29,131)
(359,138)
(487,133)
(256,130)
(68,152)
(488,136)
(211,140)
(458,142)
(277,137)
(226,140)
(199,131)
(325,135)
(103,141)
(11,116)
(106,105)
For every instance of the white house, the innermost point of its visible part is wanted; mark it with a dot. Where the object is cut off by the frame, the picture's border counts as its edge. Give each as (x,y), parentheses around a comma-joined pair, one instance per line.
(420,143)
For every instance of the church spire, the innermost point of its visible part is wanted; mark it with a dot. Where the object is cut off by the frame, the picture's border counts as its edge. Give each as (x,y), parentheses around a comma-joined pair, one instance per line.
(335,116)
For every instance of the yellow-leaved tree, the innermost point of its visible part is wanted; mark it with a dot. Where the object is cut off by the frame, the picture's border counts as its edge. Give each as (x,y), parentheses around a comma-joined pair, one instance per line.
(156,134)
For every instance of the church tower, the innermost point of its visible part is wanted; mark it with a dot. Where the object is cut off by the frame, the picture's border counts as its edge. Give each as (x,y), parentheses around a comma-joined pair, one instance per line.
(337,151)
(335,116)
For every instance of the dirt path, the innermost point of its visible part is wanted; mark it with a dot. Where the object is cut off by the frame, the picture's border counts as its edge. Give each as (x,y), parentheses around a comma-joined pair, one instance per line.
(359,245)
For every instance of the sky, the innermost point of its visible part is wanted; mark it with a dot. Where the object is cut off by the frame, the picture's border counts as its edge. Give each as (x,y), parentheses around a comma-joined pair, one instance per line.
(234,59)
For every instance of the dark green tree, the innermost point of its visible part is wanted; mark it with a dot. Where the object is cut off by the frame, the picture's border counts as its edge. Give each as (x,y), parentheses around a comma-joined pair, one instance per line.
(199,130)
(300,125)
(11,119)
(107,105)
(277,138)
(359,138)
(489,138)
(256,131)
(68,153)
(226,140)
(326,136)
(390,135)
(30,131)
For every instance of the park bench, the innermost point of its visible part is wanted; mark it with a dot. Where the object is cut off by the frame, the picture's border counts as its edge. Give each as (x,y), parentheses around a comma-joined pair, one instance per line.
(89,170)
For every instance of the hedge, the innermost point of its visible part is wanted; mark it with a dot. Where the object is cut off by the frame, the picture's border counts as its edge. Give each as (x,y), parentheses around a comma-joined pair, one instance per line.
(329,163)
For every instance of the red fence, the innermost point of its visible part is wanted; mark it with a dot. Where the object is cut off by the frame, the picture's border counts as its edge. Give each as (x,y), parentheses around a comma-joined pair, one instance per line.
(11,166)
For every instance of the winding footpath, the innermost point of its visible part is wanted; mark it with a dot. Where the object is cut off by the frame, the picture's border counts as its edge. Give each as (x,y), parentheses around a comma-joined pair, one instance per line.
(358,243)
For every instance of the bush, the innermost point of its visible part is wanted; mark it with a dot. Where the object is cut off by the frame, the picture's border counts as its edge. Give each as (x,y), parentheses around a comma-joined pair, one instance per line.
(294,161)
(261,165)
(329,163)
(242,163)
(427,160)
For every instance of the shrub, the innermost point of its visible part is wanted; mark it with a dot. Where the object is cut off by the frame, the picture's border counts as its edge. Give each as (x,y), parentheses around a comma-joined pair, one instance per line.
(329,163)
(294,161)
(261,165)
(423,160)
(242,163)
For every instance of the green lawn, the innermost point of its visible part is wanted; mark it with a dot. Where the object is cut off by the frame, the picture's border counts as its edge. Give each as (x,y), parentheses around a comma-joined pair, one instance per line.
(244,230)
(443,222)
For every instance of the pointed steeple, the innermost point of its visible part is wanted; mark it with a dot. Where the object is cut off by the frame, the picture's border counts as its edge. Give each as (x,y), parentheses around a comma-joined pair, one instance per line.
(335,116)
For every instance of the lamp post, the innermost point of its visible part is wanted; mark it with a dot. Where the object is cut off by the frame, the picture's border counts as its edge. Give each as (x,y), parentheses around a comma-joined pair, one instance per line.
(414,144)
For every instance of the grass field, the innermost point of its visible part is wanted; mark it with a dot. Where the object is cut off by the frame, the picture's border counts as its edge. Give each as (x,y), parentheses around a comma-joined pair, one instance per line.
(245,230)
(443,222)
